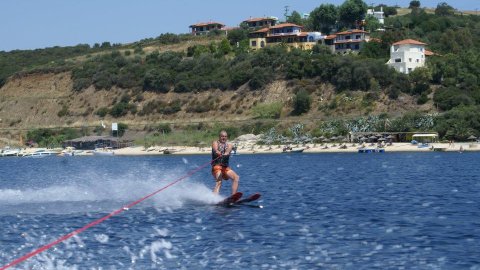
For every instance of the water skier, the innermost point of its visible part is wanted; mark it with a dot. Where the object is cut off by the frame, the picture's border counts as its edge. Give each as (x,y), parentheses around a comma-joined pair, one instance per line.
(221,150)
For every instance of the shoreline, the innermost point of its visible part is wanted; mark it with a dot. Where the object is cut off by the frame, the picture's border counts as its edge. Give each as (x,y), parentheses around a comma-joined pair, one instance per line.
(250,148)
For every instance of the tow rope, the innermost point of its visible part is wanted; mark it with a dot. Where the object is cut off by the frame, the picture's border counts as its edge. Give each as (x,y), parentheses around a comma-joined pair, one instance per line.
(100,220)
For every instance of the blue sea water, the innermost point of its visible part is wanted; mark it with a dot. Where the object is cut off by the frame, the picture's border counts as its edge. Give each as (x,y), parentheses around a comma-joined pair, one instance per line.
(320,211)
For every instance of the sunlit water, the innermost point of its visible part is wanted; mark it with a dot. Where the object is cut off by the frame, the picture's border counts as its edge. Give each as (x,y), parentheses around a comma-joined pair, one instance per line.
(321,211)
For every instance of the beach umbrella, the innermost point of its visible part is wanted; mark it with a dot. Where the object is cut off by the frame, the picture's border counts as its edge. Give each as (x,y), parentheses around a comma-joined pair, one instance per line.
(390,137)
(382,139)
(326,140)
(372,137)
(363,139)
(472,138)
(345,140)
(334,138)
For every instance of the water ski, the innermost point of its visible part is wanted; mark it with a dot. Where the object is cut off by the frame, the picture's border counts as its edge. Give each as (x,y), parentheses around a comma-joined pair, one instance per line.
(250,198)
(231,200)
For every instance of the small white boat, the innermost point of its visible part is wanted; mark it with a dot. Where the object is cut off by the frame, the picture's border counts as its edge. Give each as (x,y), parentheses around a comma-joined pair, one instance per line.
(9,152)
(41,153)
(70,151)
(105,151)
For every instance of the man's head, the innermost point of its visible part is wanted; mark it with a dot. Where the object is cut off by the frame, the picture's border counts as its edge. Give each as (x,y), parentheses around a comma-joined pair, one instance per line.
(222,136)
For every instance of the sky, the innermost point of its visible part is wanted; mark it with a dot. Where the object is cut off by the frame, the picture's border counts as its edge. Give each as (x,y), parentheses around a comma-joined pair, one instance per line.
(33,24)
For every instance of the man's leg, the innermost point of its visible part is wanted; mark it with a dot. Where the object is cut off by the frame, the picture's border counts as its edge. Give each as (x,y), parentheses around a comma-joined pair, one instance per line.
(218,182)
(235,179)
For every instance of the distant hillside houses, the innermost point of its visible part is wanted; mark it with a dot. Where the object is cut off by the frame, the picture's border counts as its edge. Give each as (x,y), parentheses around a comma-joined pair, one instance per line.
(286,33)
(254,23)
(407,55)
(265,31)
(200,29)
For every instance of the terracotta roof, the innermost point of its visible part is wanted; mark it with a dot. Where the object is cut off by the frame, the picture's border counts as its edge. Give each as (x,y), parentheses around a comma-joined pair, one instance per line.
(351,32)
(330,36)
(230,28)
(285,25)
(263,30)
(260,19)
(205,24)
(429,53)
(409,41)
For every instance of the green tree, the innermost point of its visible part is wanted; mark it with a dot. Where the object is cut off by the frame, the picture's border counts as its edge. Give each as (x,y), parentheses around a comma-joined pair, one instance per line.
(323,18)
(420,77)
(235,36)
(414,4)
(301,102)
(351,12)
(295,18)
(372,23)
(444,9)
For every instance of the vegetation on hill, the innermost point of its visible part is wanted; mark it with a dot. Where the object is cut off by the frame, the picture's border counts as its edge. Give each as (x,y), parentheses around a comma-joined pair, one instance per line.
(452,74)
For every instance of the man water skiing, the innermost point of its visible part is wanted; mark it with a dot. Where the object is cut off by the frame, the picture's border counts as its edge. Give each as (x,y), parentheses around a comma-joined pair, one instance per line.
(221,150)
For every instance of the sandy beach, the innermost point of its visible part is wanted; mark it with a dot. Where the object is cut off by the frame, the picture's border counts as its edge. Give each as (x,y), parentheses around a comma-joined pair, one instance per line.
(248,148)
(245,148)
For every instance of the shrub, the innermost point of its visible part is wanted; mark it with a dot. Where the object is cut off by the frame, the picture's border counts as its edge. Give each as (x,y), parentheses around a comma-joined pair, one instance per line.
(102,112)
(301,102)
(267,110)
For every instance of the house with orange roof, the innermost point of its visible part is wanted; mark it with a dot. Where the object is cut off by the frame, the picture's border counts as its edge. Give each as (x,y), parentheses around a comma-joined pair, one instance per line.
(288,34)
(204,28)
(254,23)
(349,41)
(407,55)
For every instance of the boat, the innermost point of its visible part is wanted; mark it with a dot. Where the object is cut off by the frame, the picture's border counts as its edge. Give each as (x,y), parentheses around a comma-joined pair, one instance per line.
(9,152)
(70,151)
(292,150)
(41,153)
(104,151)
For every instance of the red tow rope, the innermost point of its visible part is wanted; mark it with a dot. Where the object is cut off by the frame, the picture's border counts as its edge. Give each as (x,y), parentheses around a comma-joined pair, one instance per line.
(100,220)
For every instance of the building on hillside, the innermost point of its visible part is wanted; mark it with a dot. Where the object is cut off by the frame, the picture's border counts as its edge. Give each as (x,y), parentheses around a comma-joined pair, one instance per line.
(377,14)
(204,28)
(407,55)
(258,39)
(286,33)
(347,41)
(254,23)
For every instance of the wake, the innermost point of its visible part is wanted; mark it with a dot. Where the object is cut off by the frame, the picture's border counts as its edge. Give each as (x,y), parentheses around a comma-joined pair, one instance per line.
(95,191)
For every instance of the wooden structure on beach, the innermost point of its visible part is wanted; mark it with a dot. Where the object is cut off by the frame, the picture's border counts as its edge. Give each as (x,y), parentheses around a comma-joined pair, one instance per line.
(92,142)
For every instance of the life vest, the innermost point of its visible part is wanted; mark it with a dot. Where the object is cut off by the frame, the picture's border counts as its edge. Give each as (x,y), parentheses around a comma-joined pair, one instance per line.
(222,147)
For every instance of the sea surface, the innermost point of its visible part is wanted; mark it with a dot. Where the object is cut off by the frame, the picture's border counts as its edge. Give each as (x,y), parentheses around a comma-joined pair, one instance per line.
(320,211)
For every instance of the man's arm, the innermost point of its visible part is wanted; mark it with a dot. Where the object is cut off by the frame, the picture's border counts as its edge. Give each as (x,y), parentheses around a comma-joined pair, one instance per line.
(215,148)
(229,149)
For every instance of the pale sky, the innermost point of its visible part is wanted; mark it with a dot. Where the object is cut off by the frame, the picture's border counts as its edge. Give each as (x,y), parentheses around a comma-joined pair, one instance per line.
(31,24)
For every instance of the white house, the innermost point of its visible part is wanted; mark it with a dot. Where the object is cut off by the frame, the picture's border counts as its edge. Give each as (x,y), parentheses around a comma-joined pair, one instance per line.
(406,55)
(377,14)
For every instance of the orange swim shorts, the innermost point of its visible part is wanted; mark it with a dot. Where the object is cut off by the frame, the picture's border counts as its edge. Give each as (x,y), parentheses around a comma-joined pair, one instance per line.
(220,168)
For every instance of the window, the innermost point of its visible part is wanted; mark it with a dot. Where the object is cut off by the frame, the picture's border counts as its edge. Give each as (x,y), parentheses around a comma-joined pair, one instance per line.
(398,60)
(262,44)
(347,37)
(409,70)
(357,36)
(254,43)
(357,47)
(418,60)
(410,60)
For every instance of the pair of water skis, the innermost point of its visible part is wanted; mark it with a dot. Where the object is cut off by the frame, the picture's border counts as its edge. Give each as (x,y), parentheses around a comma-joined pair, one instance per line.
(236,200)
